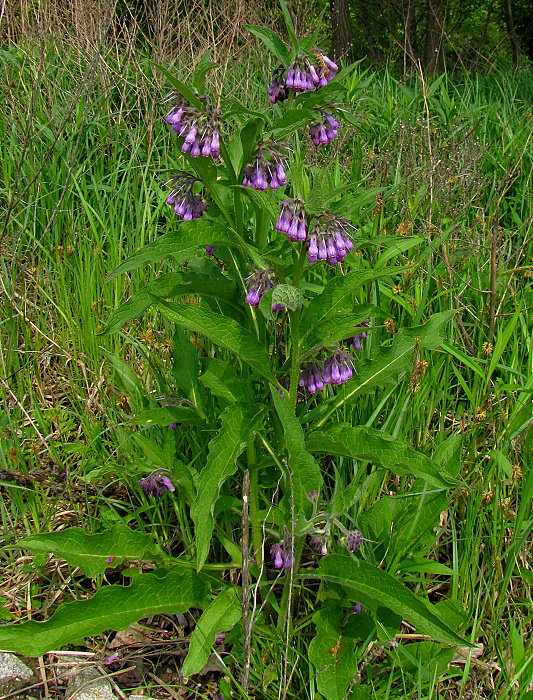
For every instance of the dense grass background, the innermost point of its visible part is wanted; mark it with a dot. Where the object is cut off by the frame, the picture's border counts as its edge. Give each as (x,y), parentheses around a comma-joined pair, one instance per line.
(445,167)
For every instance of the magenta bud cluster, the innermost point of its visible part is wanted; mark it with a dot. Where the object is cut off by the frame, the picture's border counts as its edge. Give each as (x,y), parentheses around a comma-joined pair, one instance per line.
(324,132)
(292,220)
(199,127)
(259,283)
(305,73)
(184,201)
(329,239)
(282,556)
(268,168)
(337,369)
(354,539)
(356,339)
(156,483)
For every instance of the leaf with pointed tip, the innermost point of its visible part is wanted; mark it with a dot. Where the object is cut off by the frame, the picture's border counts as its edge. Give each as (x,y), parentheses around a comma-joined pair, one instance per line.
(343,326)
(359,576)
(338,297)
(180,244)
(169,285)
(222,614)
(221,331)
(261,200)
(92,553)
(272,41)
(221,379)
(238,427)
(167,415)
(186,92)
(111,608)
(369,444)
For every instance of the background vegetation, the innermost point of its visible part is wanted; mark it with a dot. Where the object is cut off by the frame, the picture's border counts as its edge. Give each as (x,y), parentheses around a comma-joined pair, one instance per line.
(444,163)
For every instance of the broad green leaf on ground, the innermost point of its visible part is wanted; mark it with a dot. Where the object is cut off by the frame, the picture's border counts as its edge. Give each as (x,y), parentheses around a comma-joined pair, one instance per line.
(272,41)
(362,442)
(221,331)
(112,608)
(167,415)
(387,364)
(338,297)
(332,652)
(359,576)
(172,285)
(239,424)
(220,378)
(93,554)
(303,467)
(180,244)
(220,616)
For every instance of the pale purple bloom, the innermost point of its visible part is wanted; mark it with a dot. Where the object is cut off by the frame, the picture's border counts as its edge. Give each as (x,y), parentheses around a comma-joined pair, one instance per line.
(355,340)
(312,377)
(324,132)
(199,127)
(357,608)
(185,202)
(306,73)
(268,168)
(156,483)
(338,368)
(282,556)
(260,282)
(329,239)
(292,220)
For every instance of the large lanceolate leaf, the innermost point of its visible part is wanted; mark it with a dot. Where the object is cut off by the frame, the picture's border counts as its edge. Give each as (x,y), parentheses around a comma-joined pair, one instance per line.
(112,608)
(222,380)
(93,554)
(362,442)
(221,615)
(172,284)
(221,331)
(344,325)
(180,244)
(238,427)
(360,577)
(387,364)
(304,469)
(338,297)
(166,415)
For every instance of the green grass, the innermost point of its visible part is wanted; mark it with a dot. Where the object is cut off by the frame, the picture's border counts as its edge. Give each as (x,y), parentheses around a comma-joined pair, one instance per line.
(85,156)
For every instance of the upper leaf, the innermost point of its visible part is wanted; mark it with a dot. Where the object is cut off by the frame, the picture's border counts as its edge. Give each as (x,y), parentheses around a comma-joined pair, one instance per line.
(272,41)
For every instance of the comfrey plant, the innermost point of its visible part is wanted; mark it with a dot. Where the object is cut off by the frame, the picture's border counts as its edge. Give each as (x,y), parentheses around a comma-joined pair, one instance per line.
(271,485)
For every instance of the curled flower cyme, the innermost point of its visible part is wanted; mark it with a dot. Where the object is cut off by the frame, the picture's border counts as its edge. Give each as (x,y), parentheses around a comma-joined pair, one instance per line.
(267,167)
(260,282)
(292,220)
(312,377)
(324,132)
(185,202)
(199,127)
(338,368)
(305,73)
(356,339)
(282,556)
(354,539)
(329,239)
(156,483)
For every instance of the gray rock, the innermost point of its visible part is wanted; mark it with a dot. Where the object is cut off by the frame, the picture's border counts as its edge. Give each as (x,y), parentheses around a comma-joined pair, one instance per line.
(14,674)
(89,684)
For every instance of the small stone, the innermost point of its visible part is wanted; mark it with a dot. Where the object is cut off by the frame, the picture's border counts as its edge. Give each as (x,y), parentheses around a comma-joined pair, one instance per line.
(89,684)
(140,697)
(12,669)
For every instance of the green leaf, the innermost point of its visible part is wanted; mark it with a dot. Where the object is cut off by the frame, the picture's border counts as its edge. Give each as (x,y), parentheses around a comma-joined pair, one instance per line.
(289,296)
(221,379)
(169,414)
(292,121)
(185,368)
(171,285)
(203,67)
(127,379)
(338,297)
(238,427)
(304,470)
(344,325)
(425,566)
(369,444)
(187,93)
(221,331)
(398,245)
(248,136)
(262,201)
(272,41)
(180,244)
(89,552)
(112,608)
(359,576)
(221,616)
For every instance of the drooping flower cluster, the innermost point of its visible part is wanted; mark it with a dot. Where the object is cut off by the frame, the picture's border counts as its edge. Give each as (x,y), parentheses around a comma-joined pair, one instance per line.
(337,369)
(292,221)
(355,340)
(260,282)
(329,239)
(282,556)
(186,204)
(267,168)
(326,131)
(306,73)
(199,127)
(156,483)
